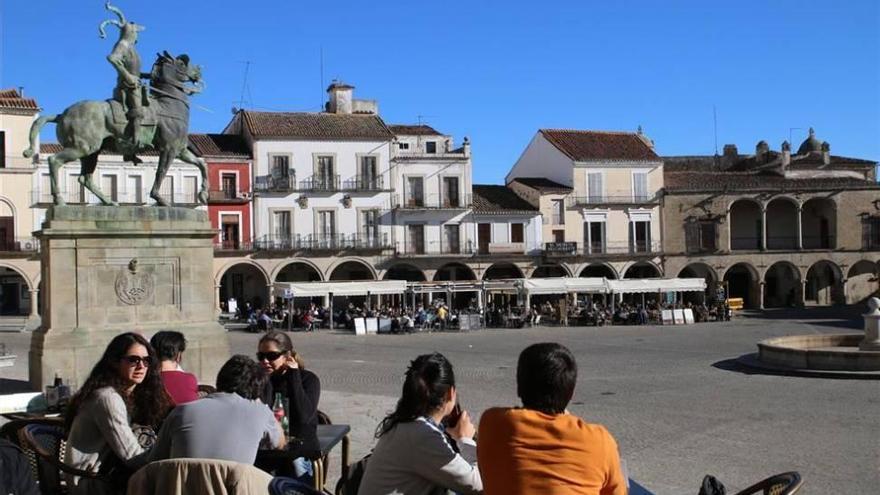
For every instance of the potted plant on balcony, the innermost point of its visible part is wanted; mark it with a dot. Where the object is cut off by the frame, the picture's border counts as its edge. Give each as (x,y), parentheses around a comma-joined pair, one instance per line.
(303,202)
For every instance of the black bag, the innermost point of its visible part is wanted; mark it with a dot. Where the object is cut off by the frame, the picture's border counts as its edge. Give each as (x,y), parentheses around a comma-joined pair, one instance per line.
(711,486)
(351,483)
(16,476)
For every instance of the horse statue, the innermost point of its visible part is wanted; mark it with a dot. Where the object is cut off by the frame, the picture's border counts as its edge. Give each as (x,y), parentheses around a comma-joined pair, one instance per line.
(87,128)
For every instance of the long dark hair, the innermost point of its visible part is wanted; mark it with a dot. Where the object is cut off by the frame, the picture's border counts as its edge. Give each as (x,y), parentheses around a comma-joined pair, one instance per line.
(425,389)
(284,344)
(147,405)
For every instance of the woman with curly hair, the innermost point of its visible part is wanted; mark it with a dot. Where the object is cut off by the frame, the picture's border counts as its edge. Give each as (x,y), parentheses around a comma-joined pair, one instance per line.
(123,391)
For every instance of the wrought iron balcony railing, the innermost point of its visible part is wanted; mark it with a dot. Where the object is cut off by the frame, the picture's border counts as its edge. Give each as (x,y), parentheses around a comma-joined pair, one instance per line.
(601,248)
(434,248)
(228,196)
(431,202)
(613,197)
(322,242)
(364,183)
(320,183)
(276,183)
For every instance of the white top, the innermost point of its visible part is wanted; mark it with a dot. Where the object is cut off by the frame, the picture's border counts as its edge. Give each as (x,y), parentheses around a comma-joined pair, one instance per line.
(415,458)
(101,427)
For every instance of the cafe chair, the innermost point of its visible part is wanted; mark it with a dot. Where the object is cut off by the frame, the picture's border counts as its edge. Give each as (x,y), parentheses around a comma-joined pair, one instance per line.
(324,467)
(44,443)
(780,484)
(184,476)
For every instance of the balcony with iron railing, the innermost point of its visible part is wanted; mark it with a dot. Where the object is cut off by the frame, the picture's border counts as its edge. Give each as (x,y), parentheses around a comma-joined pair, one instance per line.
(320,184)
(431,202)
(600,248)
(323,242)
(434,248)
(19,245)
(613,198)
(233,246)
(228,196)
(365,183)
(276,183)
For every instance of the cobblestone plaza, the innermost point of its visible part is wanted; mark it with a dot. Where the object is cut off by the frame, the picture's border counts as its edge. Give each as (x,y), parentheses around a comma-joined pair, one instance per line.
(670,395)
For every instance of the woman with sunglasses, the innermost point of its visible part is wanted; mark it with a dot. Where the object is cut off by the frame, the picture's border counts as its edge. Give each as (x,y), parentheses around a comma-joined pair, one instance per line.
(124,390)
(299,386)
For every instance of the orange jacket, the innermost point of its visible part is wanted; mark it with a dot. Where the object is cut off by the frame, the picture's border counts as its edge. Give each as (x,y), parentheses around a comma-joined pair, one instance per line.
(522,451)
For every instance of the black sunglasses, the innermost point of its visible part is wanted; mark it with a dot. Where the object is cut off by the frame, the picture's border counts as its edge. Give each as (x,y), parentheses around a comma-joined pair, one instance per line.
(269,356)
(136,360)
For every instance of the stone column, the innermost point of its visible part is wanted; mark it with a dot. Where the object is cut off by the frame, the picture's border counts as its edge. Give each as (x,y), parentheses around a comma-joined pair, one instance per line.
(763,233)
(871,341)
(217,300)
(35,306)
(761,294)
(803,298)
(844,291)
(800,229)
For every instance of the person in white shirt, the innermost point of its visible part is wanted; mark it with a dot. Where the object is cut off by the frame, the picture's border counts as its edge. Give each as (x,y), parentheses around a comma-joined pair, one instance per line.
(415,454)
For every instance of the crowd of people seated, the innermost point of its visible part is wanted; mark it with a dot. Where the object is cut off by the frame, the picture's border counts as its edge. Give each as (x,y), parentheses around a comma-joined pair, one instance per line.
(137,406)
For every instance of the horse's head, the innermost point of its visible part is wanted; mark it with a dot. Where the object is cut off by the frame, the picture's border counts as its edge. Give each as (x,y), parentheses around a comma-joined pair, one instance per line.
(176,71)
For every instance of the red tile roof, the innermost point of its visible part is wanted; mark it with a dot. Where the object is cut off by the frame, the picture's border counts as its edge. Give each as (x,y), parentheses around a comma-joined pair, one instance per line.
(489,198)
(413,130)
(219,145)
(12,99)
(600,145)
(301,125)
(542,184)
(692,181)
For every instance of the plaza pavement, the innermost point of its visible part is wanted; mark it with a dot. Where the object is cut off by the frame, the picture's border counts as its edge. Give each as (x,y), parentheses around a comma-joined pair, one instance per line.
(670,395)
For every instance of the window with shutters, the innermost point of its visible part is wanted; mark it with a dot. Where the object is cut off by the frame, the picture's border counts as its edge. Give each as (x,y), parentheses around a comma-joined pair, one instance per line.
(595,187)
(871,233)
(701,236)
(640,186)
(517,232)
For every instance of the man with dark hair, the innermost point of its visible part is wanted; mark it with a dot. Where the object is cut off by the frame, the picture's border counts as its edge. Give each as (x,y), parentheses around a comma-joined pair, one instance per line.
(541,447)
(201,429)
(183,387)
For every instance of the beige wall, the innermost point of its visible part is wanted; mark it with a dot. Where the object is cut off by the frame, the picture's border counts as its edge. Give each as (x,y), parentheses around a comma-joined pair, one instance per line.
(17,128)
(15,179)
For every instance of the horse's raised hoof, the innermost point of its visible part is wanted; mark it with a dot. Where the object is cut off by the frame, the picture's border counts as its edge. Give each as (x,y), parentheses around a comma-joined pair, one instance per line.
(203,197)
(59,202)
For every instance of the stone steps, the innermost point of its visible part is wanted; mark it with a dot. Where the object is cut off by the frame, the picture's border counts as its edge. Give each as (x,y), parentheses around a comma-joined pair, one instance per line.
(12,324)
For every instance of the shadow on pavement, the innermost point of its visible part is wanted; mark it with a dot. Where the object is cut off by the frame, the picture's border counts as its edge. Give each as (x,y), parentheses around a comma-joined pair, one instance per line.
(829,316)
(748,364)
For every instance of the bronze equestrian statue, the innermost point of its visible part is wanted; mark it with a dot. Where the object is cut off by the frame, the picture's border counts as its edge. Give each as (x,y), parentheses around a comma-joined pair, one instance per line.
(131,121)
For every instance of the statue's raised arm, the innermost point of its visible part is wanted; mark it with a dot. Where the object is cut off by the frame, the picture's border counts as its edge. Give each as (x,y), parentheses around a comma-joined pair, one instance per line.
(127,62)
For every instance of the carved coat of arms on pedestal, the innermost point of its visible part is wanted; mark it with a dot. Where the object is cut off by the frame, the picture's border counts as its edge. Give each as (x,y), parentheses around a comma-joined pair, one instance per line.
(133,287)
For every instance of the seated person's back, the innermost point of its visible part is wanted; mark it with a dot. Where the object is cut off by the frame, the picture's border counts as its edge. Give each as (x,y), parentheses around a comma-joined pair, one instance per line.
(227,425)
(541,448)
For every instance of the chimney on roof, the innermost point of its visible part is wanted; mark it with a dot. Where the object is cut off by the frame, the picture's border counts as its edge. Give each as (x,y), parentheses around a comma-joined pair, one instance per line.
(731,155)
(644,138)
(786,154)
(340,100)
(826,153)
(466,146)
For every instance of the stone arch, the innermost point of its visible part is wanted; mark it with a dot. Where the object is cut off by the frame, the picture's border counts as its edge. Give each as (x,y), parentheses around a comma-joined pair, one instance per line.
(281,266)
(742,280)
(642,269)
(453,272)
(862,281)
(501,271)
(12,302)
(707,273)
(819,223)
(782,223)
(246,282)
(404,271)
(550,270)
(782,285)
(7,203)
(220,273)
(744,220)
(599,270)
(824,284)
(298,271)
(351,269)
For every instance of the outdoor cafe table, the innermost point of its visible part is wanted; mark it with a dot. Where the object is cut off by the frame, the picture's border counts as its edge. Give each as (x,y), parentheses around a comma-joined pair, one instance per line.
(329,436)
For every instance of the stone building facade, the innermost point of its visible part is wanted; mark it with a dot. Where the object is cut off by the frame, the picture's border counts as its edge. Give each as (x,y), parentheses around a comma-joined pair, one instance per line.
(775,228)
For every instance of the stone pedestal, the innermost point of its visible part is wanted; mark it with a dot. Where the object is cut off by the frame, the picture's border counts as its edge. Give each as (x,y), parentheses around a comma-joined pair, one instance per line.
(872,326)
(107,270)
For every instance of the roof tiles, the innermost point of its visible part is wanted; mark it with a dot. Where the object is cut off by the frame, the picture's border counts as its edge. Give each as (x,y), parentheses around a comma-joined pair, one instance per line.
(302,125)
(584,146)
(499,199)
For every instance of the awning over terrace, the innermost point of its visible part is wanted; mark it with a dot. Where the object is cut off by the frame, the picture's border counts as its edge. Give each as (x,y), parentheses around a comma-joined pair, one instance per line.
(654,285)
(359,288)
(560,285)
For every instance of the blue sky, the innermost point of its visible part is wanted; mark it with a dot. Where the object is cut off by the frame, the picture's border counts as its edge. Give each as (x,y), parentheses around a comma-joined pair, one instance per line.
(495,71)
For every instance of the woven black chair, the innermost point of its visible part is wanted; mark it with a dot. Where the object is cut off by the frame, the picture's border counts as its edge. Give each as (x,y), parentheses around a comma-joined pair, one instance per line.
(44,444)
(324,419)
(780,484)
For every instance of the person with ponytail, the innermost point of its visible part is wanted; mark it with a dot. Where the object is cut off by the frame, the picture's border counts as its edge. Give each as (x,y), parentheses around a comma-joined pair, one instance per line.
(416,454)
(123,393)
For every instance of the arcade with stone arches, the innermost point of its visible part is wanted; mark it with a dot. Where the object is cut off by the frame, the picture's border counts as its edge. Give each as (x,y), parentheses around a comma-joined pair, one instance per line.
(782,223)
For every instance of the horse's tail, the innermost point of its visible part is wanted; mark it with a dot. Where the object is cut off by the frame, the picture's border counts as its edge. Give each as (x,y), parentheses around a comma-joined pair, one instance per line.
(35,129)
